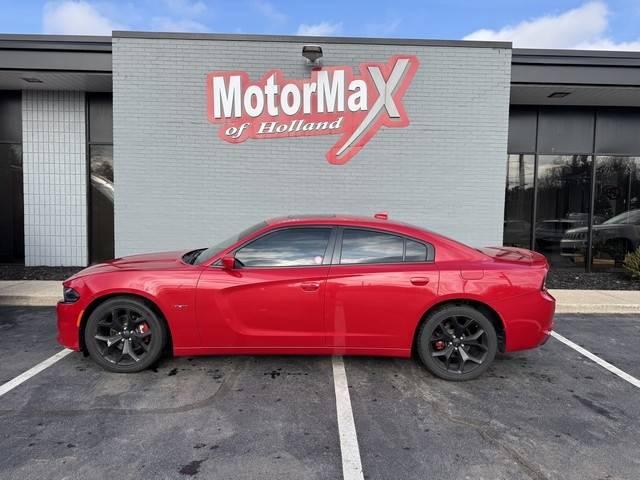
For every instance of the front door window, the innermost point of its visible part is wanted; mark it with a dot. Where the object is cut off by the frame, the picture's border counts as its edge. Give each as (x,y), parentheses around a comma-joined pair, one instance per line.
(292,247)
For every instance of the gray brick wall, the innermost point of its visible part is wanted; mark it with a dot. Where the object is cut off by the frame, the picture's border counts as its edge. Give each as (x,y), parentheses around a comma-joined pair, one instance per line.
(55,185)
(178,185)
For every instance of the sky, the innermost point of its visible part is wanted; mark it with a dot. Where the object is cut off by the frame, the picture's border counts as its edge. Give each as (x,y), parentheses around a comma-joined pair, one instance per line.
(597,24)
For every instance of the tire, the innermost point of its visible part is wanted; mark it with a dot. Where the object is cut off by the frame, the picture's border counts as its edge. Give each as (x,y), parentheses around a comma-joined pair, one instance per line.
(450,330)
(124,335)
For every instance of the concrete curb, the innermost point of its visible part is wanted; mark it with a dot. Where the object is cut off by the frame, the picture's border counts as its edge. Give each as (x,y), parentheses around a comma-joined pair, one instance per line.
(586,308)
(30,292)
(28,301)
(597,301)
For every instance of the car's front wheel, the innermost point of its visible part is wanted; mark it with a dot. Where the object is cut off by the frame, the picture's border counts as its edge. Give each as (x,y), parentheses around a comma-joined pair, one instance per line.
(457,342)
(124,335)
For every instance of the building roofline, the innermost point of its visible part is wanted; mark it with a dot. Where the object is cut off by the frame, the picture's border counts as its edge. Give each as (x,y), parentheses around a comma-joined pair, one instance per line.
(572,58)
(576,53)
(55,42)
(299,39)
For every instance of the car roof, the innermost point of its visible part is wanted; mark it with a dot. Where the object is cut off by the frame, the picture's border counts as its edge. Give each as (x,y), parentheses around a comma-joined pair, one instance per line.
(340,219)
(449,249)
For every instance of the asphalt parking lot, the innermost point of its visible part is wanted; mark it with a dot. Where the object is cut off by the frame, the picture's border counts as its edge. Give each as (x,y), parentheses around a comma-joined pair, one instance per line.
(542,414)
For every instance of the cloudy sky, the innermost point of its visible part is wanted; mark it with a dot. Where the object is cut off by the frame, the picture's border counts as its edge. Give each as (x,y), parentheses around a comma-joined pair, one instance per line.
(599,24)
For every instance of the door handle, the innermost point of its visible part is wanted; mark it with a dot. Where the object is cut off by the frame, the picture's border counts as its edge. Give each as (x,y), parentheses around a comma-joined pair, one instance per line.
(419,280)
(310,286)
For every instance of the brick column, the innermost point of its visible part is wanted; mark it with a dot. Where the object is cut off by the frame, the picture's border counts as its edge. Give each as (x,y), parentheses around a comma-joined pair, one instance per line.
(55,186)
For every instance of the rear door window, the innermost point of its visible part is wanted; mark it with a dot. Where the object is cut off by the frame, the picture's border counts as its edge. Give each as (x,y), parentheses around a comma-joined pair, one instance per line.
(361,246)
(365,246)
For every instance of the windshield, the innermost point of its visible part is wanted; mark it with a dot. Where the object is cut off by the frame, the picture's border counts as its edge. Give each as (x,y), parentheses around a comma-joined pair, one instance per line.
(212,251)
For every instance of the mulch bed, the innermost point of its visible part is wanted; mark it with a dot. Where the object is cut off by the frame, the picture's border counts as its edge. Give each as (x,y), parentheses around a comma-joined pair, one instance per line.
(579,280)
(20,272)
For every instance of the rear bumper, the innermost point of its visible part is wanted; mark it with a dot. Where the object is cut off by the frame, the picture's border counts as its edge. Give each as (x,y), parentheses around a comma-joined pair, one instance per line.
(69,316)
(528,320)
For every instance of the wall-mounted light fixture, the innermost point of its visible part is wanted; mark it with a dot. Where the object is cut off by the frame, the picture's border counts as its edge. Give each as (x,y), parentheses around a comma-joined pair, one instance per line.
(312,53)
(31,80)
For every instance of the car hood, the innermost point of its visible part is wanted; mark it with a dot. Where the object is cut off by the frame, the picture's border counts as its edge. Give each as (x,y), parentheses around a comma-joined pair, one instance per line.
(145,262)
(602,226)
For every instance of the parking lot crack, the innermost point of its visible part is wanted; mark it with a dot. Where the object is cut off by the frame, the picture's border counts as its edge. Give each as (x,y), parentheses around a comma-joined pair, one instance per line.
(491,435)
(487,433)
(227,383)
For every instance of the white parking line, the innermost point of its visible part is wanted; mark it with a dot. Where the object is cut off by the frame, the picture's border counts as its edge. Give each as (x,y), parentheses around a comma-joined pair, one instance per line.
(351,465)
(612,368)
(23,377)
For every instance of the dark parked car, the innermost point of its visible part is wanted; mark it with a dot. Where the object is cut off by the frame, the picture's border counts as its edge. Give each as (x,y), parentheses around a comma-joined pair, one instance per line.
(613,238)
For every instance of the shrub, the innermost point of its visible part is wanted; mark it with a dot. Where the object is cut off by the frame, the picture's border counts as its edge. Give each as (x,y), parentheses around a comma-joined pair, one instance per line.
(632,264)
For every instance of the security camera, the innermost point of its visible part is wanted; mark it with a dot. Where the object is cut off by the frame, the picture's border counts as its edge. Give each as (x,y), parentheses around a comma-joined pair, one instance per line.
(312,53)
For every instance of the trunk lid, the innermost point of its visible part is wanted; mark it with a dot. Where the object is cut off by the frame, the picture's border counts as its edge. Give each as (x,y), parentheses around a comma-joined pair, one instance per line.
(514,255)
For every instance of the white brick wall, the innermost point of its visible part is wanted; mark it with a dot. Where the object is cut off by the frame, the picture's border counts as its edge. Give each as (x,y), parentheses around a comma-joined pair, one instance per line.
(178,185)
(54,166)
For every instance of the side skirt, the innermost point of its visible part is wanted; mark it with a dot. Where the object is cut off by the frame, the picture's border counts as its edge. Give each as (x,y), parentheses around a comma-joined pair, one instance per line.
(364,351)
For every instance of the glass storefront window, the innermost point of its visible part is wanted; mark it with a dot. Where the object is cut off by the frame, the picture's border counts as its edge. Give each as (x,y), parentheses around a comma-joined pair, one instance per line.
(101,202)
(583,205)
(562,210)
(11,203)
(100,148)
(616,222)
(518,206)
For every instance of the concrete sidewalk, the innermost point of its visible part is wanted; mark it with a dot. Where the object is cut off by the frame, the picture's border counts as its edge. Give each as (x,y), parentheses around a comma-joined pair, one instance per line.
(47,293)
(597,301)
(30,292)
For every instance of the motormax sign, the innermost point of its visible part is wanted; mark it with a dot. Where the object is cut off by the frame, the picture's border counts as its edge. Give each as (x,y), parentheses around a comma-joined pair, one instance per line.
(333,101)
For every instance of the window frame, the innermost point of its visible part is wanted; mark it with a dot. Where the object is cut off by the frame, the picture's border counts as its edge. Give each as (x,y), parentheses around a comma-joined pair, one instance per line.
(337,251)
(90,142)
(326,259)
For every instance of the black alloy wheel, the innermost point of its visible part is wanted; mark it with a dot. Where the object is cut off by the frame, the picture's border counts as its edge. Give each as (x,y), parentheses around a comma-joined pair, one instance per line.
(457,342)
(124,335)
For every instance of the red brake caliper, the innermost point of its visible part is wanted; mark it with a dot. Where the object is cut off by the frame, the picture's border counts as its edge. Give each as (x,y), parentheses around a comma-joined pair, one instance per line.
(143,328)
(439,345)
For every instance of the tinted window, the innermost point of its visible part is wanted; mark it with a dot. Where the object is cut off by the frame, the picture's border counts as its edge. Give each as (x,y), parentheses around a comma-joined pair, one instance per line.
(101,203)
(518,203)
(362,246)
(416,252)
(562,208)
(286,248)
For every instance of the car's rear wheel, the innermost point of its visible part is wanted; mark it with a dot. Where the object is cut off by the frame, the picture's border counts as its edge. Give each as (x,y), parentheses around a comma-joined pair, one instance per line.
(124,335)
(457,342)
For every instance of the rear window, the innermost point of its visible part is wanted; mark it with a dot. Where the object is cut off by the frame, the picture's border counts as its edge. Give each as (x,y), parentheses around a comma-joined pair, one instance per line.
(361,246)
(415,252)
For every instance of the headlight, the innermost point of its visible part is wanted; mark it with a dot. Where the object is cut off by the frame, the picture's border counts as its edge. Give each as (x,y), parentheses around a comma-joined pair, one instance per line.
(69,295)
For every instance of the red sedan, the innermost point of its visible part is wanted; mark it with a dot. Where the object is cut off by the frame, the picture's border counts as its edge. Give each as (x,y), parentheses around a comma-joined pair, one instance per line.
(326,285)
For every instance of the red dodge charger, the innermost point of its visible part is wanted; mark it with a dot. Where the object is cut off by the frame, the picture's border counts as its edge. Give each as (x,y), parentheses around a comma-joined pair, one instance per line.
(326,285)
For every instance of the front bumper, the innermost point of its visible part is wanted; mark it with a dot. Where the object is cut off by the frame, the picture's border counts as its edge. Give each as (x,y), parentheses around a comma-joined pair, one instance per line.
(69,318)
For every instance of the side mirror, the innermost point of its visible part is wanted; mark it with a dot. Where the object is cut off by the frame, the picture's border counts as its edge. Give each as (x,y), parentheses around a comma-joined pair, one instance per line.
(228,262)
